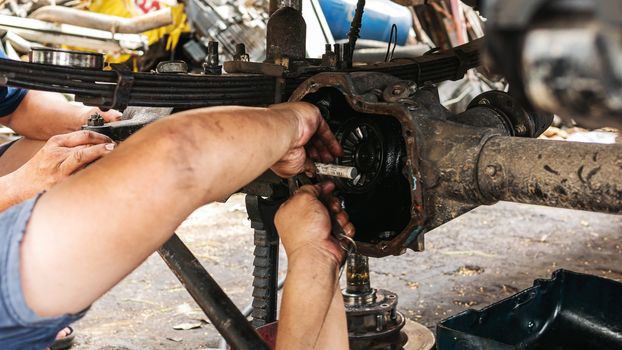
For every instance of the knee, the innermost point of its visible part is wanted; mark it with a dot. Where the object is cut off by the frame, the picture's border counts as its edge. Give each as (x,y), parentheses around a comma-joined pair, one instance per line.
(18,153)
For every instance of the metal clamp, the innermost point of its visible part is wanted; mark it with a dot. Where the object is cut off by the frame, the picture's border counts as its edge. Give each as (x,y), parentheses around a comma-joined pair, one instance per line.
(125,82)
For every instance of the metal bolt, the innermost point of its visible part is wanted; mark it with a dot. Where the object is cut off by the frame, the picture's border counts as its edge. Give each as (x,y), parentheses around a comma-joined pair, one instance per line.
(412,88)
(212,54)
(212,61)
(386,234)
(240,48)
(95,120)
(397,90)
(338,52)
(521,129)
(379,323)
(347,55)
(240,53)
(410,104)
(490,170)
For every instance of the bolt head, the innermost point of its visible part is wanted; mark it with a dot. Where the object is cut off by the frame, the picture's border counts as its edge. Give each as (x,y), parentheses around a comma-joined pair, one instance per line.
(490,170)
(521,129)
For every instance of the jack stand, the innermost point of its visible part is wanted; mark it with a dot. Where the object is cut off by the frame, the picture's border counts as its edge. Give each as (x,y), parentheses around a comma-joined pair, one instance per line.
(372,316)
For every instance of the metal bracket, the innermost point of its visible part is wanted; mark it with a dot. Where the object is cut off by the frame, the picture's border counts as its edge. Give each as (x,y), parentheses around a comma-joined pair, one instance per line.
(125,82)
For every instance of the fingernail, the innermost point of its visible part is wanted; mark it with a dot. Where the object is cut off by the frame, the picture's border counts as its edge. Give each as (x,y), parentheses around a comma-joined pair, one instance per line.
(110,146)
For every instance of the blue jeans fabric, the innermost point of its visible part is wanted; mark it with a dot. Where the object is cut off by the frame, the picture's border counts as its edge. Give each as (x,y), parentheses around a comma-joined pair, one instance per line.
(20,327)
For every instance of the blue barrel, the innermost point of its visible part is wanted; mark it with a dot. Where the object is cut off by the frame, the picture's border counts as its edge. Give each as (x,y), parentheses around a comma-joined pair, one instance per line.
(378,17)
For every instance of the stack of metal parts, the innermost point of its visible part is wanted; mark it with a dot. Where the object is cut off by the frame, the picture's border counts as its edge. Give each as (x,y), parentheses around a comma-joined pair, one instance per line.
(373,320)
(119,89)
(227,22)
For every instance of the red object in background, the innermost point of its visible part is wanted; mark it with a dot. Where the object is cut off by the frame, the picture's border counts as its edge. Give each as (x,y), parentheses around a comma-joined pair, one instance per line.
(268,334)
(147,5)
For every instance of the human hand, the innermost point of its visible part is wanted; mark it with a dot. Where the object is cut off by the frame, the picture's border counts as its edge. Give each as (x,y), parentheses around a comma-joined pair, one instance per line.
(314,133)
(60,157)
(110,115)
(303,222)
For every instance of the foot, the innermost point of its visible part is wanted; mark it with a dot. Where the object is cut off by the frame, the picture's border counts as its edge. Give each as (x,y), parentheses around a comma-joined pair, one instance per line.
(64,339)
(63,333)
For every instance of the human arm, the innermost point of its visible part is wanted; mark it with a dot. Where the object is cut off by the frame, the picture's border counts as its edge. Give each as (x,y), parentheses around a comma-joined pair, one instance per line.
(60,157)
(312,311)
(122,208)
(41,115)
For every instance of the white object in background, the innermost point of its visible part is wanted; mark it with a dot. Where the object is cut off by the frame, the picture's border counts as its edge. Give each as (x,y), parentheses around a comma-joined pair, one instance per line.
(603,137)
(318,31)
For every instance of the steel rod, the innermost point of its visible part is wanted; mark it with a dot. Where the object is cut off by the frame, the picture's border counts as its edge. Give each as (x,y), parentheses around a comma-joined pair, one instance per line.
(220,310)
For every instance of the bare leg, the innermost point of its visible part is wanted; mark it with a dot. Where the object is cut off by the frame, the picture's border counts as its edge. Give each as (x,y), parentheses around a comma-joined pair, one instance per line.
(19,153)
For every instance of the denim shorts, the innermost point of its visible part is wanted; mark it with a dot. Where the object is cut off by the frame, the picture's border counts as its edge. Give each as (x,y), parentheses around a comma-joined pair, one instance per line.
(20,327)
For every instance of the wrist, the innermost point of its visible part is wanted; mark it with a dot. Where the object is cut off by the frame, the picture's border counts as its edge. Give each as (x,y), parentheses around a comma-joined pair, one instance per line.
(293,123)
(312,254)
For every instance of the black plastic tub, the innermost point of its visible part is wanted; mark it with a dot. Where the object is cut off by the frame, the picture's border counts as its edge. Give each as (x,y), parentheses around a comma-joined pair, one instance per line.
(569,311)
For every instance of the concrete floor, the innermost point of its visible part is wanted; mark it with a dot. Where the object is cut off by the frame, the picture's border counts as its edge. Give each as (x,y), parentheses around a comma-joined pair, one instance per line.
(479,258)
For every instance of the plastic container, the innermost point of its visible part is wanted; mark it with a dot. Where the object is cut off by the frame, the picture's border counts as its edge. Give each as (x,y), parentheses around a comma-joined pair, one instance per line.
(570,311)
(378,17)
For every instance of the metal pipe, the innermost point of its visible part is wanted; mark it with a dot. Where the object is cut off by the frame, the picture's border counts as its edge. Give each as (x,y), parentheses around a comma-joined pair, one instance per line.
(20,44)
(114,24)
(220,310)
(560,174)
(51,33)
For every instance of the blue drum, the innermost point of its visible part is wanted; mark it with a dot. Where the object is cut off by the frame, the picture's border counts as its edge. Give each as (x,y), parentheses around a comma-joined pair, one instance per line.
(378,17)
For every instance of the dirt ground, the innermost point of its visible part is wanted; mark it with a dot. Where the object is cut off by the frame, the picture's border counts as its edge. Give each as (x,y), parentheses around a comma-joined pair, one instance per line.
(479,258)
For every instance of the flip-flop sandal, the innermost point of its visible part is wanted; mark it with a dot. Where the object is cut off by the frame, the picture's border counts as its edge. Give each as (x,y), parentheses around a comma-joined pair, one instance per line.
(64,343)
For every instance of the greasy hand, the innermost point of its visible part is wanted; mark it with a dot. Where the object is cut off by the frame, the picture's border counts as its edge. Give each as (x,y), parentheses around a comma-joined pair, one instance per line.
(303,221)
(314,133)
(61,156)
(109,116)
